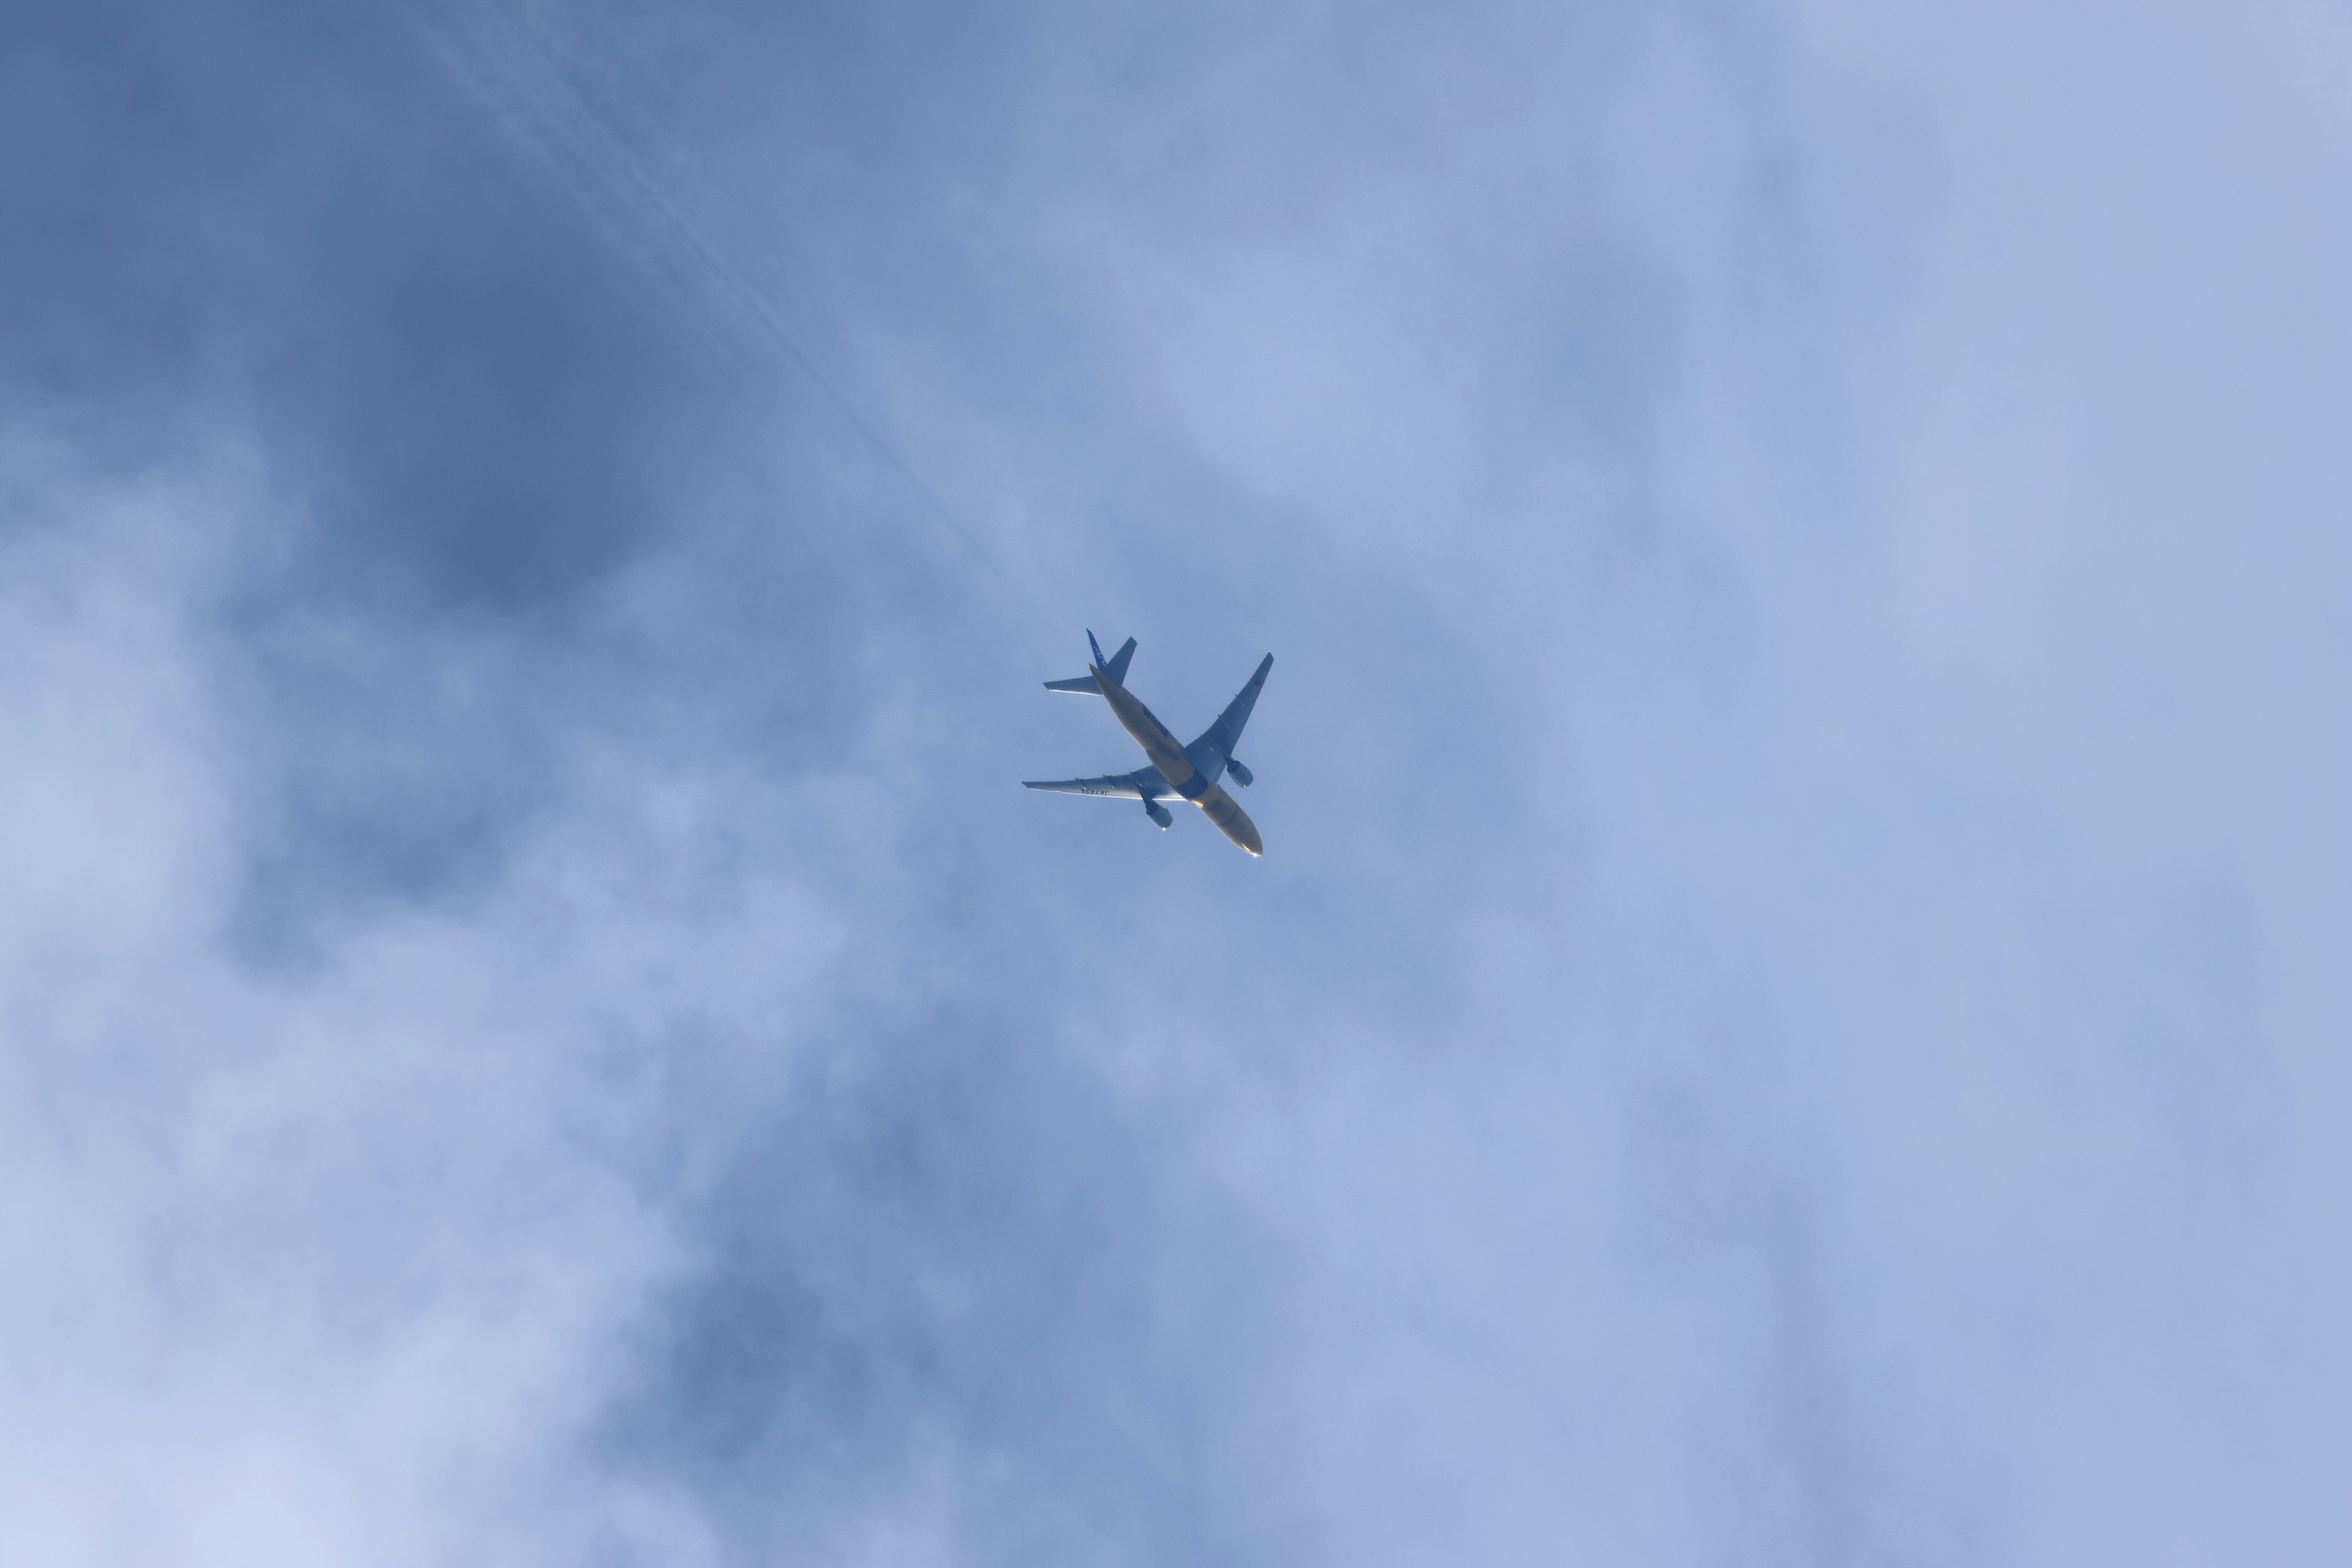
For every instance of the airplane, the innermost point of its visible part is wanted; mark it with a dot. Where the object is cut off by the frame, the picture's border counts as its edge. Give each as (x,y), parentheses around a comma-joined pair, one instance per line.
(1189,772)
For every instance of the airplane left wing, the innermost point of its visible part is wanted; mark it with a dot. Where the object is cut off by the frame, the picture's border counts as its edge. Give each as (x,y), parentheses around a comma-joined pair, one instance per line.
(1144,784)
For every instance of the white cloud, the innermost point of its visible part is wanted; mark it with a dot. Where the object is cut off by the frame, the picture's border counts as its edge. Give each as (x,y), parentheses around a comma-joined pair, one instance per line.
(1792,1010)
(330,1265)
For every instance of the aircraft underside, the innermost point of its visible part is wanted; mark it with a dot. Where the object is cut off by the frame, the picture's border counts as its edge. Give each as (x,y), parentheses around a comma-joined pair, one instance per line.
(1190,774)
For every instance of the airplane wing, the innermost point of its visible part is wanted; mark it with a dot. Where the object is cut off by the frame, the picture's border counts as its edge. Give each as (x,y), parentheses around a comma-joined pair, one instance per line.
(1144,784)
(1226,733)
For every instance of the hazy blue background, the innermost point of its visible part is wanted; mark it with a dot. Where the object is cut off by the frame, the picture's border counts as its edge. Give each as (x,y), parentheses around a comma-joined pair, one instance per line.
(1796,1007)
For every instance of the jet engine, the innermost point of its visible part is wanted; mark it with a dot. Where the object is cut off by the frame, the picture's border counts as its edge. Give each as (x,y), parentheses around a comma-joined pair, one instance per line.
(1241,774)
(1158,813)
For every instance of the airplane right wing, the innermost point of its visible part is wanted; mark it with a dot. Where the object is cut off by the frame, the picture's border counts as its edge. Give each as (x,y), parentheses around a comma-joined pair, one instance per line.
(1226,733)
(1144,784)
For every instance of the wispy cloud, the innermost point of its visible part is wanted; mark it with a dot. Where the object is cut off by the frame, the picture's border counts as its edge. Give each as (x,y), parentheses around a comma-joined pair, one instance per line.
(1789,1011)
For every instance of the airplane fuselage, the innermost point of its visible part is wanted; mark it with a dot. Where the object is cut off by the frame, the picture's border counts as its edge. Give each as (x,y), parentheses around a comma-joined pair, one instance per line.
(1190,773)
(1193,779)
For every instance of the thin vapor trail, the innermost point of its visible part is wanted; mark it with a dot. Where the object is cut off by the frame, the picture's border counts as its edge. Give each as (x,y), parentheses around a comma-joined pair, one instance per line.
(508,71)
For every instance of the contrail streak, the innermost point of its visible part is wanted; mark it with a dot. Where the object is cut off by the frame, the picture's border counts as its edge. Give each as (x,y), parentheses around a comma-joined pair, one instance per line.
(508,71)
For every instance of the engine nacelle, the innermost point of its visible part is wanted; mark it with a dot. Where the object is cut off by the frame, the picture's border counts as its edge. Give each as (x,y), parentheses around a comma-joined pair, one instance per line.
(1241,774)
(1158,814)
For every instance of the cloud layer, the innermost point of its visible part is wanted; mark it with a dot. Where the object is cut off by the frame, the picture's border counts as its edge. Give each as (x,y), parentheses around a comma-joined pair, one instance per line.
(1791,1012)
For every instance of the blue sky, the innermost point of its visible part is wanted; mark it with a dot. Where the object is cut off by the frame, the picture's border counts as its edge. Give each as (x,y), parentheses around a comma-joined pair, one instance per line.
(1794,1009)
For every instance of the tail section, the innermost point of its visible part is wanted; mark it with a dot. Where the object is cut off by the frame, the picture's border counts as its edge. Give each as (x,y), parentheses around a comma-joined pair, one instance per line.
(1115,667)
